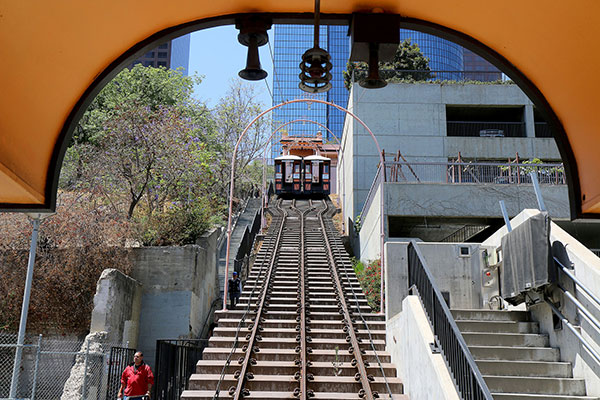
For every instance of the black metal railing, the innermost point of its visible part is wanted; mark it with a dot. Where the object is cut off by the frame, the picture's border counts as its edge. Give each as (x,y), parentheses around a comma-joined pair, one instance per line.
(485,129)
(453,347)
(542,130)
(175,362)
(436,75)
(463,234)
(118,359)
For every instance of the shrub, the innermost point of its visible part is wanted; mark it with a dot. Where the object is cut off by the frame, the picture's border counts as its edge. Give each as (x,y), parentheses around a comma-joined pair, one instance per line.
(369,277)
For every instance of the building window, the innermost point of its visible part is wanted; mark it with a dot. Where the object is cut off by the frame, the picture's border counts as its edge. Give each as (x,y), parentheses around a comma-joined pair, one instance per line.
(149,54)
(162,54)
(485,121)
(164,46)
(162,64)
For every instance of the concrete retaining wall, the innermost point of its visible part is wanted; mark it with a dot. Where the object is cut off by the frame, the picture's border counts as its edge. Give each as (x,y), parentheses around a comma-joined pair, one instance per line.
(179,285)
(425,375)
(458,275)
(117,306)
(370,231)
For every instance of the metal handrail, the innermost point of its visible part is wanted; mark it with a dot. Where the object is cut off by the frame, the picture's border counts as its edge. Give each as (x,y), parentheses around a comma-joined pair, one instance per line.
(360,314)
(475,172)
(574,299)
(577,281)
(372,191)
(466,374)
(574,330)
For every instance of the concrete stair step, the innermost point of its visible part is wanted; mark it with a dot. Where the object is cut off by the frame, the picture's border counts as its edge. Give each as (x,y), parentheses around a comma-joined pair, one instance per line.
(514,353)
(266,395)
(326,355)
(498,326)
(292,333)
(531,396)
(291,323)
(506,339)
(291,343)
(536,385)
(525,368)
(282,383)
(290,368)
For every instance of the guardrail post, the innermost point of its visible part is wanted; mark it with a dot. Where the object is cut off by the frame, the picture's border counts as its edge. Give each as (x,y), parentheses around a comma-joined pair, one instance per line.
(35,368)
(85,367)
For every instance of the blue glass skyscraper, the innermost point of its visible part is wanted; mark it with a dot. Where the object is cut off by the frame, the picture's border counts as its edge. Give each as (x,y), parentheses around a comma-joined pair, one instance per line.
(443,54)
(290,42)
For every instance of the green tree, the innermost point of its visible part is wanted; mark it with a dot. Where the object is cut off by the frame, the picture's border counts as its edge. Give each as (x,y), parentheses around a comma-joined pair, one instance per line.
(138,86)
(409,64)
(231,116)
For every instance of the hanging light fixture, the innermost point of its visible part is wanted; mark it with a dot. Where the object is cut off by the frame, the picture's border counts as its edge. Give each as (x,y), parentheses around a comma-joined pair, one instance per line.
(374,38)
(316,64)
(373,80)
(253,33)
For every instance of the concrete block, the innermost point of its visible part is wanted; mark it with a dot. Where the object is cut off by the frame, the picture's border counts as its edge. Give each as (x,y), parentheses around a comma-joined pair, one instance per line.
(396,276)
(425,374)
(117,304)
(457,200)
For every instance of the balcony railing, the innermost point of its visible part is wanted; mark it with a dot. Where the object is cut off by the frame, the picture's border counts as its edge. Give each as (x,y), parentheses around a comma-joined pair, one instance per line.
(472,172)
(438,75)
(485,129)
(464,173)
(542,130)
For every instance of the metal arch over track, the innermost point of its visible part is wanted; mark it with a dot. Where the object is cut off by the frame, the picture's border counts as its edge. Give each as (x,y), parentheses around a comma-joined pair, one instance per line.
(302,328)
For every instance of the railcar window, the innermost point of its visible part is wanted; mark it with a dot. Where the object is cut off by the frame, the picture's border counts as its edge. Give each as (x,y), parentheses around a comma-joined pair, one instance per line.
(288,172)
(315,168)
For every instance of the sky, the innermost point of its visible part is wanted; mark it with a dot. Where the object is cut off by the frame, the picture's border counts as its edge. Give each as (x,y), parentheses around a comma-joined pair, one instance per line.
(216,54)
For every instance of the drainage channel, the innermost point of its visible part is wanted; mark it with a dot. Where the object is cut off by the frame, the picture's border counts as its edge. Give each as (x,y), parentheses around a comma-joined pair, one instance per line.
(303,328)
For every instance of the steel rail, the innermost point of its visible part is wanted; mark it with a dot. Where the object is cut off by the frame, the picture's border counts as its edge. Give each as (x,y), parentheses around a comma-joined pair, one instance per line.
(302,291)
(302,361)
(244,371)
(360,314)
(360,364)
(271,246)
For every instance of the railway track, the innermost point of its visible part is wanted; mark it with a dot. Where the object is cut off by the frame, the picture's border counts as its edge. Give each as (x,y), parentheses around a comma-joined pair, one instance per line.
(302,328)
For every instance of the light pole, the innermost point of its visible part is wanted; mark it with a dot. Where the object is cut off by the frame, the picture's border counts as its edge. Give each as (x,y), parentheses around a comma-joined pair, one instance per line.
(35,220)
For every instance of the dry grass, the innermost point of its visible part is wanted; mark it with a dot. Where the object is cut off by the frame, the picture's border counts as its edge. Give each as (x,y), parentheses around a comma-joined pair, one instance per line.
(337,218)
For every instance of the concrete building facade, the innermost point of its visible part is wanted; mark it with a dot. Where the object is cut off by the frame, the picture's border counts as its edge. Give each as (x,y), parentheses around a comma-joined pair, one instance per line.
(432,125)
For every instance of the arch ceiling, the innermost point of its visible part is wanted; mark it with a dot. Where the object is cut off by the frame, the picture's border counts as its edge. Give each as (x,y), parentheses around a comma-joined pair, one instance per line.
(56,55)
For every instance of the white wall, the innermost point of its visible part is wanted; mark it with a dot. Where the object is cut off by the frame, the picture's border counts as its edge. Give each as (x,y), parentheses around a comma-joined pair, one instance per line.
(424,374)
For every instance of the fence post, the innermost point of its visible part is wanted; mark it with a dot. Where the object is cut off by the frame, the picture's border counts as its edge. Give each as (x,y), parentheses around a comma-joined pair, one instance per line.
(35,368)
(85,365)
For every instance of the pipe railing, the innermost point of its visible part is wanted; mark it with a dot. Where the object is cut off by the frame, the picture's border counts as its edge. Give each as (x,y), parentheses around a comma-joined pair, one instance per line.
(474,172)
(579,305)
(371,195)
(449,340)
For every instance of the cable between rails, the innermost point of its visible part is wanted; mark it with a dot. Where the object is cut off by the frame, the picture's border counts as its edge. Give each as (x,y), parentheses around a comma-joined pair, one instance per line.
(366,325)
(271,245)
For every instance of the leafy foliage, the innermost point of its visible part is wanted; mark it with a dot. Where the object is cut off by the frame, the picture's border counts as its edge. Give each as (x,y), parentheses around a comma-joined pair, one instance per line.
(148,165)
(369,277)
(138,86)
(409,64)
(75,245)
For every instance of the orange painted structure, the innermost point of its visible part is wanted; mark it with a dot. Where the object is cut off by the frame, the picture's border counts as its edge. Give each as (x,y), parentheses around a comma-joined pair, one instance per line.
(60,54)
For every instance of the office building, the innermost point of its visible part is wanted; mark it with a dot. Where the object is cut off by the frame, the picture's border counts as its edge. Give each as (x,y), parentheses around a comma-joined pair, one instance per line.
(174,54)
(290,42)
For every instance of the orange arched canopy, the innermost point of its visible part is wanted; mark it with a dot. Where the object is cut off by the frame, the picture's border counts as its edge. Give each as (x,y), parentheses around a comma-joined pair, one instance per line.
(56,55)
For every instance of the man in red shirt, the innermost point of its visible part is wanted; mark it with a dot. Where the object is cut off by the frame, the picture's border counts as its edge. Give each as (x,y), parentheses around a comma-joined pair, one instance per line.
(137,379)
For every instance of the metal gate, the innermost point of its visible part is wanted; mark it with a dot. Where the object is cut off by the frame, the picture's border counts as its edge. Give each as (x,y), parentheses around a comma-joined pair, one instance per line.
(175,362)
(119,358)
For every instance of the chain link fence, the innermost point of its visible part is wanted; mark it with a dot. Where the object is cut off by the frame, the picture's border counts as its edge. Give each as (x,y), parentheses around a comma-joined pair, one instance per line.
(55,368)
